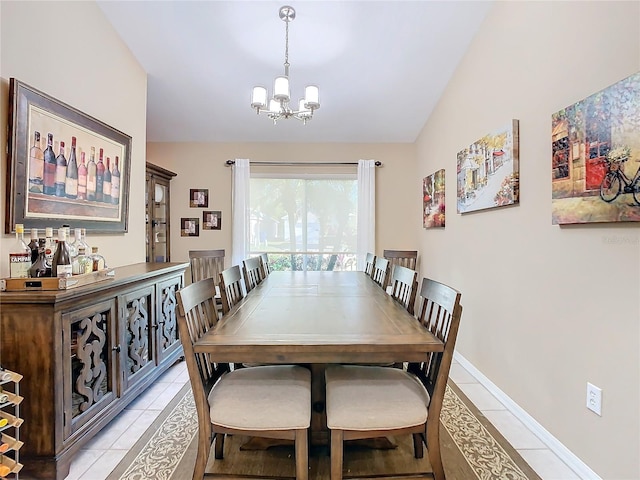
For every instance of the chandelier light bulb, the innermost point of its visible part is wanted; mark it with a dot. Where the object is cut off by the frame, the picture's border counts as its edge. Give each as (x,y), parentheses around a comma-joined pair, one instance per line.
(259,97)
(279,103)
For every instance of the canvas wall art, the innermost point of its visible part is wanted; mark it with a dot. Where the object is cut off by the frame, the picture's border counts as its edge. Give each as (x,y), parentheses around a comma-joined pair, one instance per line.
(189,227)
(212,220)
(433,206)
(488,171)
(595,149)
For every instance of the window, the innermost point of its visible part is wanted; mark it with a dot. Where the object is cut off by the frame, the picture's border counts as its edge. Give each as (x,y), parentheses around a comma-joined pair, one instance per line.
(306,222)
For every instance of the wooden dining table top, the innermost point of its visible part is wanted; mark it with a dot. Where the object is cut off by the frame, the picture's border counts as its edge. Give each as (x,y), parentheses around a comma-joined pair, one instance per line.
(318,317)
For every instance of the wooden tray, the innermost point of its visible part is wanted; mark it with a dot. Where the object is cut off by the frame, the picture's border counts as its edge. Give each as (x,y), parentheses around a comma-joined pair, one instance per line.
(30,284)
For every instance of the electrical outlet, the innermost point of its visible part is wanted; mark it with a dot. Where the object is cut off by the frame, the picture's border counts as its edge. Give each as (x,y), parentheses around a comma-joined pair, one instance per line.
(594,399)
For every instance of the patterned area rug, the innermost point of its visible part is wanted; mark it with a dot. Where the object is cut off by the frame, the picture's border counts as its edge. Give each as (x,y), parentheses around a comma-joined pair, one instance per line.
(472,450)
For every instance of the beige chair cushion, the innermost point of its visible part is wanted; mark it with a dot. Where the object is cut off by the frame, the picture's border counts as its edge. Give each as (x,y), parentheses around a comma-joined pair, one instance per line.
(374,398)
(274,397)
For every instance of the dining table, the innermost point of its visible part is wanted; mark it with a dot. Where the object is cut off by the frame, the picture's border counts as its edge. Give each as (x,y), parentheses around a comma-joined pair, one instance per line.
(317,318)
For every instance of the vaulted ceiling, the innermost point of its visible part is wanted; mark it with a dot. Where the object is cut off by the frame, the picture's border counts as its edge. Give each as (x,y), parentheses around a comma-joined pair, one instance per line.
(381,66)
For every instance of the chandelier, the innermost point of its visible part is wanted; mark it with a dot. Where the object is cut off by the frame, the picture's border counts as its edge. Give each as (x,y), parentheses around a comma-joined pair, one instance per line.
(279,105)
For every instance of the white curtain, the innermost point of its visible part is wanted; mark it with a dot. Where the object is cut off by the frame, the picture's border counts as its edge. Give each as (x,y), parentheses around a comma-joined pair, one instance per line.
(240,209)
(366,210)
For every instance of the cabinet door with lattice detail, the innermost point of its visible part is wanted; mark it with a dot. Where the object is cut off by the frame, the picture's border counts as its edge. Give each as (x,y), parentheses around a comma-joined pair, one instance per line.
(137,334)
(168,341)
(90,358)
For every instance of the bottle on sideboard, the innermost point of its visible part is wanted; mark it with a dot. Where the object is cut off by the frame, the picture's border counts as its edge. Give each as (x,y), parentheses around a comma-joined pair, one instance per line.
(50,245)
(91,176)
(33,244)
(100,177)
(61,172)
(106,185)
(36,165)
(115,183)
(61,266)
(40,267)
(82,263)
(82,178)
(49,167)
(19,255)
(71,182)
(97,259)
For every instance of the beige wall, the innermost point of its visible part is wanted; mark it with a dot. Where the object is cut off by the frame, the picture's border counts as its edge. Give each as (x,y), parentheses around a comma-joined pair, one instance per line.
(69,51)
(546,308)
(203,166)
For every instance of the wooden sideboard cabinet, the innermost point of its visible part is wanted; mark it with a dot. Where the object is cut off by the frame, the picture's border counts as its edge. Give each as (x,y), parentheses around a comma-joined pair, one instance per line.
(85,353)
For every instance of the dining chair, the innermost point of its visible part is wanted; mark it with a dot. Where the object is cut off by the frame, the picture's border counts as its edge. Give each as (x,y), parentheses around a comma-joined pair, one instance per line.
(271,402)
(404,285)
(404,258)
(370,402)
(252,272)
(266,269)
(369,262)
(208,264)
(231,289)
(380,271)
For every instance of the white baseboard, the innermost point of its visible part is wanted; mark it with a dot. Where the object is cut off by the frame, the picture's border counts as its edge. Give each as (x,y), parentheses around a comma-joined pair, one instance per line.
(578,466)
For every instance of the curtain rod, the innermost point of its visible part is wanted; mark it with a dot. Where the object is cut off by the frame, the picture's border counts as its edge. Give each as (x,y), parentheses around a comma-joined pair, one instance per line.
(232,162)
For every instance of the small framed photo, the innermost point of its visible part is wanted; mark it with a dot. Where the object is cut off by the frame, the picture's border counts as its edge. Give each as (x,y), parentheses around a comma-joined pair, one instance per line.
(189,227)
(211,220)
(199,197)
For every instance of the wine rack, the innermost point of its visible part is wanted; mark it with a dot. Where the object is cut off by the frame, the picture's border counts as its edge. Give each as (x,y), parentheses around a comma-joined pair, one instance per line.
(10,423)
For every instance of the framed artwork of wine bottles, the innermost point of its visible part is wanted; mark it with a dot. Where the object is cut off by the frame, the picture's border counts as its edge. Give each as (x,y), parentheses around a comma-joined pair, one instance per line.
(64,166)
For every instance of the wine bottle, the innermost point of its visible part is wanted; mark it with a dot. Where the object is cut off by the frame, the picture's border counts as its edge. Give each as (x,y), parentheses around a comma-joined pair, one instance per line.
(3,422)
(4,446)
(106,186)
(33,244)
(115,183)
(49,167)
(71,182)
(82,263)
(100,178)
(4,470)
(40,267)
(61,172)
(50,246)
(19,255)
(4,375)
(36,165)
(61,266)
(91,176)
(82,178)
(3,396)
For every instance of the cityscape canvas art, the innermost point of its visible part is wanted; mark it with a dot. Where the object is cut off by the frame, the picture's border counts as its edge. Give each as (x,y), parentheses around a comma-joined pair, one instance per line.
(595,150)
(433,205)
(488,171)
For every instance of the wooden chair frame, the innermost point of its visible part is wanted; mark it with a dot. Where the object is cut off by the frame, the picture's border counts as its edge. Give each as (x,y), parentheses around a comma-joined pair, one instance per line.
(380,271)
(266,269)
(196,315)
(440,313)
(206,264)
(403,258)
(253,272)
(369,262)
(231,289)
(404,286)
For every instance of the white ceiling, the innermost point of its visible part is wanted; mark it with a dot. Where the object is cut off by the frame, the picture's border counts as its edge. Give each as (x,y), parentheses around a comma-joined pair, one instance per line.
(381,66)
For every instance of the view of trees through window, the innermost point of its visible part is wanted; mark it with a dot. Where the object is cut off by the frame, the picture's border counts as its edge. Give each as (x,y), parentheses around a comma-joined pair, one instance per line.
(305,223)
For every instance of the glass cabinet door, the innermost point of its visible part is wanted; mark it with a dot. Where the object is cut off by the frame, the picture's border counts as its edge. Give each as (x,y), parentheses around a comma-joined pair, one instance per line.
(157,214)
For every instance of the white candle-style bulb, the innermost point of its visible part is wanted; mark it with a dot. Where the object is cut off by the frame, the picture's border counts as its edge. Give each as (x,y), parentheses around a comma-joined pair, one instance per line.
(259,97)
(274,106)
(312,96)
(281,88)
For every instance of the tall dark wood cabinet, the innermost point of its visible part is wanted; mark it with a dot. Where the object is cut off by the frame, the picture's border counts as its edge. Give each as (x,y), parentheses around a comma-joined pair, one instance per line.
(85,353)
(157,215)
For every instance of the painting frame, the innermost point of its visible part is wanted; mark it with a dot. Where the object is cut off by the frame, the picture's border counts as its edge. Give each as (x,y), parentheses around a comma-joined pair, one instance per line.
(488,171)
(30,111)
(433,200)
(199,197)
(212,220)
(189,227)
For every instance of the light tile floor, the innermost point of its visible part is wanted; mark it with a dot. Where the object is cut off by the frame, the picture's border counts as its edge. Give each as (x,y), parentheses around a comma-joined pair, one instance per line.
(109,447)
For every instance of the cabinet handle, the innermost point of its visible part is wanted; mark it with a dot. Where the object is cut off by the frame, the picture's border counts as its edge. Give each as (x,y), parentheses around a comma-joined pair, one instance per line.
(116,348)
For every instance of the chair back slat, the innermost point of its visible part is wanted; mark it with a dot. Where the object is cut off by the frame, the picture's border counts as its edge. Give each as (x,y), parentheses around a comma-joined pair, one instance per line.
(403,258)
(404,284)
(196,316)
(380,271)
(206,264)
(440,313)
(266,269)
(231,289)
(252,271)
(369,262)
